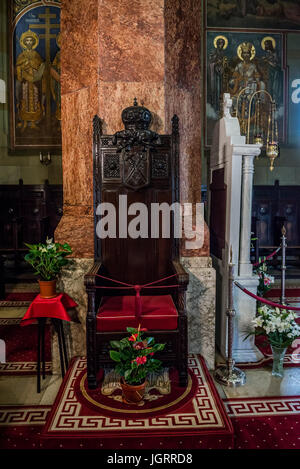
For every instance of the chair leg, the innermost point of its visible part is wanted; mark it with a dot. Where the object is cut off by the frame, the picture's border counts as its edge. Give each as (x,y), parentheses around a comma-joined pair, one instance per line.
(43,322)
(183,351)
(65,355)
(183,376)
(38,361)
(56,323)
(91,379)
(92,368)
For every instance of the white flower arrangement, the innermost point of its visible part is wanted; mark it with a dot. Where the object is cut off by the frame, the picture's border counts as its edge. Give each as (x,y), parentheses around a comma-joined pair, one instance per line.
(279,325)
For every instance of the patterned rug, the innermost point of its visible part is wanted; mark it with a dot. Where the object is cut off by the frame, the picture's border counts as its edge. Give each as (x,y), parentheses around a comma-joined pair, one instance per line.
(18,299)
(265,423)
(21,342)
(21,348)
(192,417)
(258,423)
(21,426)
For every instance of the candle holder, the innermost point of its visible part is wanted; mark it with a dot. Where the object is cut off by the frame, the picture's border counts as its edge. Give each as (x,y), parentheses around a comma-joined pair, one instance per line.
(283,265)
(45,159)
(263,133)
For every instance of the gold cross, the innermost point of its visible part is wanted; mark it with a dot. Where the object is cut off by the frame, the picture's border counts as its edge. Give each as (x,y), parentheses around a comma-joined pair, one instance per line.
(47,36)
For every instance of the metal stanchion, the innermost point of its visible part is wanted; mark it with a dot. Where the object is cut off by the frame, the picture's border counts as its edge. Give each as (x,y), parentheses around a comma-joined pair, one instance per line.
(283,266)
(230,375)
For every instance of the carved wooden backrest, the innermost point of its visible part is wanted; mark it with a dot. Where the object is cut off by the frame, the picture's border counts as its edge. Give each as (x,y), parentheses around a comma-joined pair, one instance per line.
(144,166)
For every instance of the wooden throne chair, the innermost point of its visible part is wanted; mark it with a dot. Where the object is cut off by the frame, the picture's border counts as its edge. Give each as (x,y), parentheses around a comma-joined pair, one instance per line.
(143,166)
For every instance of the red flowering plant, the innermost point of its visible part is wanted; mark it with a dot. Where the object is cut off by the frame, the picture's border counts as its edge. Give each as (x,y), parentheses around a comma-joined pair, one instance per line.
(134,356)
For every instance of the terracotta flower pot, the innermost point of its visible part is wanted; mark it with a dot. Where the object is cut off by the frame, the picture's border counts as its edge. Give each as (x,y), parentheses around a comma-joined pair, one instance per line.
(132,394)
(47,288)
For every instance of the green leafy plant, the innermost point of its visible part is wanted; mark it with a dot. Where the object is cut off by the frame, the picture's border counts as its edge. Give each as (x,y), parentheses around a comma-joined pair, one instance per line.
(48,259)
(253,238)
(134,356)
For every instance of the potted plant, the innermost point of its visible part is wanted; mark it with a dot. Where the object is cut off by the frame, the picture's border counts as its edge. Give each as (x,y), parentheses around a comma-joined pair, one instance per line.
(47,261)
(134,361)
(280,328)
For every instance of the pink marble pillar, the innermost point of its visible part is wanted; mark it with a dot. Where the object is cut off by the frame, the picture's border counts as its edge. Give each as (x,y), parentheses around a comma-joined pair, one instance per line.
(111,52)
(183,78)
(79,103)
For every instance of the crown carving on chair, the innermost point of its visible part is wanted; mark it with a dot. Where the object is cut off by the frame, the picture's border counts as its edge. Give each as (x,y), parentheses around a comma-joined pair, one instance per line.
(136,117)
(136,120)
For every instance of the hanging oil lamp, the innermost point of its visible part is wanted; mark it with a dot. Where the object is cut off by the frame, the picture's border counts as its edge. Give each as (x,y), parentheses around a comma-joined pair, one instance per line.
(258,132)
(272,148)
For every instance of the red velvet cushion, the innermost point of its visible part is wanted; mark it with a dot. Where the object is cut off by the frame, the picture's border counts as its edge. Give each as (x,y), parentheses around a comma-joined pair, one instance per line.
(118,312)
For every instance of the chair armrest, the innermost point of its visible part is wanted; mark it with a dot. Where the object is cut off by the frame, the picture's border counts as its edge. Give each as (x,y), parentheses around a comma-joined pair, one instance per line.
(182,274)
(90,279)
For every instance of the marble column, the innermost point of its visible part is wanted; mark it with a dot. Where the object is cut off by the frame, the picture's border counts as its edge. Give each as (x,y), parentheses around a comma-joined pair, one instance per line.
(111,52)
(245,266)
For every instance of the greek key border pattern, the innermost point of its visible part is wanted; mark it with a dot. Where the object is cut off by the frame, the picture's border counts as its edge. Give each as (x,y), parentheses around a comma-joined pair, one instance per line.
(22,367)
(205,414)
(18,415)
(263,407)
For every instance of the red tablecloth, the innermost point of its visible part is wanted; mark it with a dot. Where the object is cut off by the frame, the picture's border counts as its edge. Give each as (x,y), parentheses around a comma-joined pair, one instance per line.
(48,308)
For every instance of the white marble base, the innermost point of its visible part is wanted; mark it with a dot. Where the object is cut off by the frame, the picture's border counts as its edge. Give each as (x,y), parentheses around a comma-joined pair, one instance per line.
(72,283)
(201,297)
(245,311)
(245,307)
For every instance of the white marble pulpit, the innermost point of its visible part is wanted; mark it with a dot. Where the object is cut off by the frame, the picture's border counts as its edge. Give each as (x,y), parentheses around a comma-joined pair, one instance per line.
(233,158)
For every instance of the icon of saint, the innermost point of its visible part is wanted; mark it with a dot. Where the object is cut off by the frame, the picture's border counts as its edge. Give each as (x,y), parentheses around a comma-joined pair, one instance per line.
(30,83)
(246,74)
(217,70)
(271,68)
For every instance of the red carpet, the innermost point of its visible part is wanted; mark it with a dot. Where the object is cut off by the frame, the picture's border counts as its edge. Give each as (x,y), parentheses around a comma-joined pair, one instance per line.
(17,299)
(265,423)
(156,401)
(21,348)
(258,423)
(290,293)
(186,418)
(20,426)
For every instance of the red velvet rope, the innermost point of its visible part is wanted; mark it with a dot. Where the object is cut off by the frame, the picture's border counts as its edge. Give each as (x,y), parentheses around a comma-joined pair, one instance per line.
(137,288)
(256,264)
(263,300)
